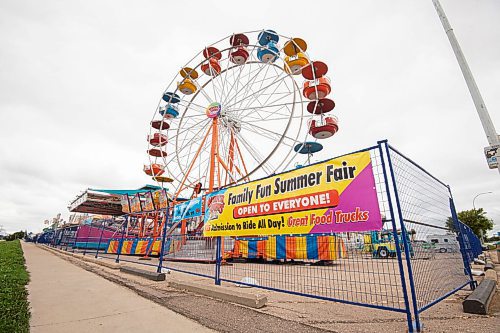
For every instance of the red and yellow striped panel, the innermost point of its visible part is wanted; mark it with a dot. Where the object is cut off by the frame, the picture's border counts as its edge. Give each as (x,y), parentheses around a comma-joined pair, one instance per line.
(328,248)
(127,246)
(323,248)
(156,247)
(270,250)
(333,248)
(261,249)
(113,246)
(141,247)
(300,248)
(244,249)
(290,247)
(342,252)
(236,249)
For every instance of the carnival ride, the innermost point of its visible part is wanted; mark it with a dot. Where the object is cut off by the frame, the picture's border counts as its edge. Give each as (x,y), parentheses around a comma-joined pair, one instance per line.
(243,108)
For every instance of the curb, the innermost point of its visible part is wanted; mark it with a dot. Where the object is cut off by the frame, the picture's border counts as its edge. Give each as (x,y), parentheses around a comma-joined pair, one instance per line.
(155,276)
(107,264)
(250,300)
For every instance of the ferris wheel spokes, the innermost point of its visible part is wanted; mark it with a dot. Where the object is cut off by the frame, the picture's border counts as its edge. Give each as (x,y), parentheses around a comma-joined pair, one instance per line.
(259,90)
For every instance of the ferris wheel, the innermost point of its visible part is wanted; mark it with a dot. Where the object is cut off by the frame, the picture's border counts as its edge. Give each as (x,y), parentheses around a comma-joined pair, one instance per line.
(240,109)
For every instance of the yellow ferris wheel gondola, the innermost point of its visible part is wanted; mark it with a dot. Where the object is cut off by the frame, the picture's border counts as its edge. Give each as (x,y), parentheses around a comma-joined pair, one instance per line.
(187,85)
(163,179)
(295,63)
(295,46)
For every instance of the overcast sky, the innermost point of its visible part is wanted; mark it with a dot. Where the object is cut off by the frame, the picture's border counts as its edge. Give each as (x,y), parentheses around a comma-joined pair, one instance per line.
(80,81)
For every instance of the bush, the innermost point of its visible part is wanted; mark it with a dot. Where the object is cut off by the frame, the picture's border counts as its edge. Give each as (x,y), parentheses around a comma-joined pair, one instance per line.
(14,236)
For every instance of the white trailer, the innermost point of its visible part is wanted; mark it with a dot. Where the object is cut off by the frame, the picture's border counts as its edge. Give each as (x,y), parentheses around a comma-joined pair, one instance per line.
(444,243)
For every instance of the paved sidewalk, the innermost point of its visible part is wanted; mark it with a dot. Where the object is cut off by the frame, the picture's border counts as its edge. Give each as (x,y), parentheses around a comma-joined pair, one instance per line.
(66,298)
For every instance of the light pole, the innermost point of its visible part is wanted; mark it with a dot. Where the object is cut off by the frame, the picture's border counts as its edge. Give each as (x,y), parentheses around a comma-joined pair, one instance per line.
(473,200)
(482,111)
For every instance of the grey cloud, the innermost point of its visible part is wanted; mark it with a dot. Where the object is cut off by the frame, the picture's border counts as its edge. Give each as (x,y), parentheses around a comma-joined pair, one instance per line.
(81,79)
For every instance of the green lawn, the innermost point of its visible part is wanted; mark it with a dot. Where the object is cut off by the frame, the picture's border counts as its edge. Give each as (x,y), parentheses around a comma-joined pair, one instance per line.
(14,306)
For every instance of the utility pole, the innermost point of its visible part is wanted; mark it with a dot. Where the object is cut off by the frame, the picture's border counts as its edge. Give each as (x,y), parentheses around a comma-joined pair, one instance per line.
(484,116)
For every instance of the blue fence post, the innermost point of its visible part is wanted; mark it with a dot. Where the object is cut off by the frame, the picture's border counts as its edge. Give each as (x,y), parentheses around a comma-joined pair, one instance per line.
(396,239)
(60,240)
(57,240)
(120,244)
(65,235)
(54,239)
(460,232)
(87,241)
(162,249)
(67,242)
(100,239)
(218,260)
(405,242)
(74,241)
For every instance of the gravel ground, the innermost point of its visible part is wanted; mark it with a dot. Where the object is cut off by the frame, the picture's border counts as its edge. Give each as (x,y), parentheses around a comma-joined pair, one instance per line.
(291,313)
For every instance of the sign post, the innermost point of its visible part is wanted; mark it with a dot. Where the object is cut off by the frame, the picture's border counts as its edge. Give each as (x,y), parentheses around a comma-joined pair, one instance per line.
(492,152)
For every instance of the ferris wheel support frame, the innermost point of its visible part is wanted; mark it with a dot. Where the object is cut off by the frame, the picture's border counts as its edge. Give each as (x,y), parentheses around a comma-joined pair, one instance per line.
(213,155)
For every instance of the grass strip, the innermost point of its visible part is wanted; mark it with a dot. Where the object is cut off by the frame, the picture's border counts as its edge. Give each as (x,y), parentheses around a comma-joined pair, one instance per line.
(14,306)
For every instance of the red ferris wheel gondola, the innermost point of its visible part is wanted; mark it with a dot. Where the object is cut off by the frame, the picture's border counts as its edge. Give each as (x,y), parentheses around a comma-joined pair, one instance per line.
(154,169)
(320,106)
(157,152)
(317,89)
(211,67)
(158,139)
(160,125)
(325,129)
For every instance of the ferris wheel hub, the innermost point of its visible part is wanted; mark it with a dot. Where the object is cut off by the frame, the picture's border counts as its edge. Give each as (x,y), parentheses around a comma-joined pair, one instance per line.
(213,110)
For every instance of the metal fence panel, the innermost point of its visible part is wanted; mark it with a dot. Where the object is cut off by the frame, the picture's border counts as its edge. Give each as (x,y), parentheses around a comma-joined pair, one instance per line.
(435,256)
(351,267)
(192,254)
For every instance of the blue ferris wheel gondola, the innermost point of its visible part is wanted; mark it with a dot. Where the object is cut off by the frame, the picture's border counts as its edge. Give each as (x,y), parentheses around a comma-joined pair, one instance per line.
(308,147)
(267,36)
(269,53)
(170,97)
(169,111)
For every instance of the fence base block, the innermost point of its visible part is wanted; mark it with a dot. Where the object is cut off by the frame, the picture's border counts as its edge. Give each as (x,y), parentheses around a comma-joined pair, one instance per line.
(477,302)
(489,266)
(250,300)
(491,275)
(143,273)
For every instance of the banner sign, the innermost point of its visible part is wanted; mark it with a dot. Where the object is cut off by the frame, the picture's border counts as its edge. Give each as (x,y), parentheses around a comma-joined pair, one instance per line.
(337,195)
(125,204)
(135,204)
(188,209)
(160,199)
(148,202)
